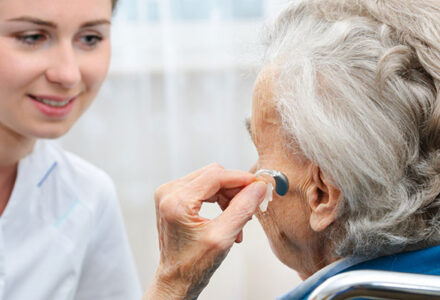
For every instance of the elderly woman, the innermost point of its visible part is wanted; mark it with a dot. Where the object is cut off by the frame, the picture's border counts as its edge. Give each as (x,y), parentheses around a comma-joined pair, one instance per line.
(347,107)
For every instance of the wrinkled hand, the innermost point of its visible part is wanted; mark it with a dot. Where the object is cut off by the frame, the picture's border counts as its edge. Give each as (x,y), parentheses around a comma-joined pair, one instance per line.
(193,247)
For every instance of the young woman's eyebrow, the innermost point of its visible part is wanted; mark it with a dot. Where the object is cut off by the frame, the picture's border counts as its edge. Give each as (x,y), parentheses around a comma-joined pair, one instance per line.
(41,22)
(96,23)
(33,20)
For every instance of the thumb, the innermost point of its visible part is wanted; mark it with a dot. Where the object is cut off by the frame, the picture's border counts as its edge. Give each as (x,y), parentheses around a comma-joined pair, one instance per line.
(240,210)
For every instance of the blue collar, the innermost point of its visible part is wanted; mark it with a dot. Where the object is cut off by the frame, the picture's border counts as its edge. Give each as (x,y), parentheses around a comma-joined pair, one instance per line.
(424,261)
(304,288)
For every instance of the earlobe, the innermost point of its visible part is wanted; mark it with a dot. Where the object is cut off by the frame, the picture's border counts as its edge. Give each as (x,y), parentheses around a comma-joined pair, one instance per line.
(323,199)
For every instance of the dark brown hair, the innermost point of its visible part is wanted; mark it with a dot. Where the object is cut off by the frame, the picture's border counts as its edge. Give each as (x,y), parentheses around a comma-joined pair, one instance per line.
(114,3)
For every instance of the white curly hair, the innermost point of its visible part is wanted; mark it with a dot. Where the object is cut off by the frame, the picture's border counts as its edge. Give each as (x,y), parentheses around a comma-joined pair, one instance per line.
(358,90)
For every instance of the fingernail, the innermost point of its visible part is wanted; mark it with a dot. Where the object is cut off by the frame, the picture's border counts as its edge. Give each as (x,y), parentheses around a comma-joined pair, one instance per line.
(259,189)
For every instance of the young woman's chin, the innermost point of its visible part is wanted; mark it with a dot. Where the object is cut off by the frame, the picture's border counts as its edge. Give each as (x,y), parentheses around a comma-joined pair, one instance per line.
(50,135)
(47,131)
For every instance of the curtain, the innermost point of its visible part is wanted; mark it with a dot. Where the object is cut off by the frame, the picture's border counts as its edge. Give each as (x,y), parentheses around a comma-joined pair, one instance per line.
(177,94)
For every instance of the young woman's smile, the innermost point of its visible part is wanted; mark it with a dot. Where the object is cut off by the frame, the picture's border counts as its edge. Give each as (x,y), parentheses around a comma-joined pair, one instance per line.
(54,106)
(54,56)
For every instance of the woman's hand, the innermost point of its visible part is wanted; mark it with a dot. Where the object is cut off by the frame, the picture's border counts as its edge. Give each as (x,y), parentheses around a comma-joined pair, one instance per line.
(193,247)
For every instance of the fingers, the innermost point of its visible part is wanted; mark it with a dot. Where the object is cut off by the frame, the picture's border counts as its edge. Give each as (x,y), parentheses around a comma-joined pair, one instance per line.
(183,198)
(223,198)
(231,193)
(206,182)
(192,247)
(180,182)
(240,210)
(209,182)
(224,195)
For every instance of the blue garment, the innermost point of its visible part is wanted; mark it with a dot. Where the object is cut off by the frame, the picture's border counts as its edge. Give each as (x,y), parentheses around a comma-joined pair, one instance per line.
(424,261)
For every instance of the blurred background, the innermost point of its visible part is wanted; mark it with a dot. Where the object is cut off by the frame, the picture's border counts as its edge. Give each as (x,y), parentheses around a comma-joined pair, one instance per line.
(177,94)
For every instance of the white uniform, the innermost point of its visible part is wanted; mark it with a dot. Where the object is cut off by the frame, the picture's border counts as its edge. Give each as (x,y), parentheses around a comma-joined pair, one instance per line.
(61,234)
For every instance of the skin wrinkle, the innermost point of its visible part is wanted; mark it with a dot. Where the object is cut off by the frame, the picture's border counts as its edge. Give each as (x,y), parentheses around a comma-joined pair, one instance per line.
(196,288)
(200,278)
(193,247)
(286,221)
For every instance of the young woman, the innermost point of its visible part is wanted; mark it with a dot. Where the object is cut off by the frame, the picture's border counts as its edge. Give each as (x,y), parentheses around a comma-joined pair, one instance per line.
(61,234)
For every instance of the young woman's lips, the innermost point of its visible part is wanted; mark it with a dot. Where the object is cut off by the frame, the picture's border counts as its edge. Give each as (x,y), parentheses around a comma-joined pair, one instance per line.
(53,106)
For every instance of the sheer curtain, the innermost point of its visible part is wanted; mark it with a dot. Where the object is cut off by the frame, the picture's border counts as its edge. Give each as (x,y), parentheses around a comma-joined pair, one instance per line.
(178,91)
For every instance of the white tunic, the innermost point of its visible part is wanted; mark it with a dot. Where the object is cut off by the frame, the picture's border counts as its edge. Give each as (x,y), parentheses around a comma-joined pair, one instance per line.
(61,234)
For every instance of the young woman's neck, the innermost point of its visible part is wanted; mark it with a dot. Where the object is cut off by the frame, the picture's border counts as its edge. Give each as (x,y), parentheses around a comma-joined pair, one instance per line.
(13,148)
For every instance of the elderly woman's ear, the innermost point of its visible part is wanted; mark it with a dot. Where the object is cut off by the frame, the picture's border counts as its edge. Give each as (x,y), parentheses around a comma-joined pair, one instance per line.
(323,199)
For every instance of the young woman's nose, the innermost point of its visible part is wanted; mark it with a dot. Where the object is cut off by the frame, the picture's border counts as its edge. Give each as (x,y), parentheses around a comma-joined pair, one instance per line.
(64,68)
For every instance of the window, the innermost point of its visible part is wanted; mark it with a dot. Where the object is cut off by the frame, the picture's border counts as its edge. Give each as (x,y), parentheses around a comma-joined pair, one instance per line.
(190,10)
(150,35)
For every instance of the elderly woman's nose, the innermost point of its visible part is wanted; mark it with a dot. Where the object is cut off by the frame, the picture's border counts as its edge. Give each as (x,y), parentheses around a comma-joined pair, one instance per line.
(254,168)
(64,68)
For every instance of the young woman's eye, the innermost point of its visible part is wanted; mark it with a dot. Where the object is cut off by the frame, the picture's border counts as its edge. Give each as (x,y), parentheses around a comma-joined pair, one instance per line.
(31,39)
(91,40)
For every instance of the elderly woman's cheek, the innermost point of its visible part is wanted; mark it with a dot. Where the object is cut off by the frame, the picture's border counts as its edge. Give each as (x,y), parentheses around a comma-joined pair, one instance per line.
(273,221)
(279,240)
(269,225)
(286,224)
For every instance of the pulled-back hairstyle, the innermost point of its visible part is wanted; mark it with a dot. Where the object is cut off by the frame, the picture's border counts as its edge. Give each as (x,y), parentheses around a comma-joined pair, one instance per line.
(358,91)
(114,4)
